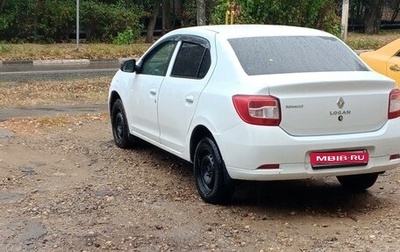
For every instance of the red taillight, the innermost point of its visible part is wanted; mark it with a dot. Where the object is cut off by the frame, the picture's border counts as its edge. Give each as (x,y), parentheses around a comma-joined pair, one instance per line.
(258,110)
(394,104)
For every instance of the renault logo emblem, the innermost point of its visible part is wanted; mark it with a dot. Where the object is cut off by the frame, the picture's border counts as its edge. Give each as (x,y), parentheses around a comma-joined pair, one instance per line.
(340,102)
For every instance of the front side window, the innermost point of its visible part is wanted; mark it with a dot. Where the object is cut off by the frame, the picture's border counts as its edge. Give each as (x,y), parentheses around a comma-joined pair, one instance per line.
(156,63)
(294,54)
(192,61)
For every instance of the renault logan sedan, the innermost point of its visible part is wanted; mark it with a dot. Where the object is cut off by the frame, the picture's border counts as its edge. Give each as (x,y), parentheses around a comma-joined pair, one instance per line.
(259,102)
(385,60)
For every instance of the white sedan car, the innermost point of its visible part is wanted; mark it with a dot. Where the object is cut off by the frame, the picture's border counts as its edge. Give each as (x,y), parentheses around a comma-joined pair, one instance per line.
(259,102)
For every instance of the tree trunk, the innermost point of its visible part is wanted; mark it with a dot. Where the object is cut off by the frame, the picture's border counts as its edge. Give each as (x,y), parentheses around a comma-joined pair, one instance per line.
(2,4)
(166,17)
(372,16)
(395,6)
(201,12)
(178,6)
(394,16)
(152,22)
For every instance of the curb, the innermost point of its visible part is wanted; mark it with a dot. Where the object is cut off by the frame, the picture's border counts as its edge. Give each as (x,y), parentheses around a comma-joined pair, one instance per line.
(17,62)
(66,62)
(60,62)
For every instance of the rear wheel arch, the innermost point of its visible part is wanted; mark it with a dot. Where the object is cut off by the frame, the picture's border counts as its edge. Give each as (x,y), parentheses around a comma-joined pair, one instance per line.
(213,182)
(198,133)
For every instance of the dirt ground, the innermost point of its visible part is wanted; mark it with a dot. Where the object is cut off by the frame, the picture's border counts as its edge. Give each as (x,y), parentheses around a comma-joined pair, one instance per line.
(66,187)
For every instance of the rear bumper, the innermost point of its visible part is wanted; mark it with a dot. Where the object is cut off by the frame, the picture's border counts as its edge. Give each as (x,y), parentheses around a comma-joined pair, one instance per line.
(246,147)
(302,171)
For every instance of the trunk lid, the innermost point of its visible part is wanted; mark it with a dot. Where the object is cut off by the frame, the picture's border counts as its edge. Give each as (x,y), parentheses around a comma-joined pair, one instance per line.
(331,102)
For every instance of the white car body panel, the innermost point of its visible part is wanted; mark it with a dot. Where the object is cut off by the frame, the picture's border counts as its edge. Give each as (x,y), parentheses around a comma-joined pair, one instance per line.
(168,118)
(176,107)
(260,145)
(318,110)
(177,104)
(143,105)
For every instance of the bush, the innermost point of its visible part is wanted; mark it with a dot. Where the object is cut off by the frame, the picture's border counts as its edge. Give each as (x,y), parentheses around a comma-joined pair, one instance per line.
(33,21)
(53,21)
(3,48)
(103,22)
(124,38)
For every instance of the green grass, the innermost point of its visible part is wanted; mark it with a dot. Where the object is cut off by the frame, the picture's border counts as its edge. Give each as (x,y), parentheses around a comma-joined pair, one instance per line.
(3,48)
(69,51)
(67,92)
(361,41)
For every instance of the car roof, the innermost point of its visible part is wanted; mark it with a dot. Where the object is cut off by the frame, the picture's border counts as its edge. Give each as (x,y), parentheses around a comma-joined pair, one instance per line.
(237,31)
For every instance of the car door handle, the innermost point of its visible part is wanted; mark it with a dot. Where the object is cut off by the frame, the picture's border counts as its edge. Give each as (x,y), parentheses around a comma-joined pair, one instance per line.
(395,68)
(190,99)
(153,92)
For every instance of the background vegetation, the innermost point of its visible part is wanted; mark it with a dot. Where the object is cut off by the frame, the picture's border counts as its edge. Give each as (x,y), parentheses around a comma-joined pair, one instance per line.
(318,14)
(48,21)
(123,21)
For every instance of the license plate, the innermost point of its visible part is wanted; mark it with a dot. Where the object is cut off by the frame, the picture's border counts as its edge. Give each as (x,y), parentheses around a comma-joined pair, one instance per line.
(339,159)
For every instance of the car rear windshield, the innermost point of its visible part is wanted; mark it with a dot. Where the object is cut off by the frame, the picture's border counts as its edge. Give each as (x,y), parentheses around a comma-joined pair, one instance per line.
(294,54)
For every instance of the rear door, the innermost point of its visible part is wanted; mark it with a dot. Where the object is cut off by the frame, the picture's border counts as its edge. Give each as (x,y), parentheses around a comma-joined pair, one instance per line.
(180,91)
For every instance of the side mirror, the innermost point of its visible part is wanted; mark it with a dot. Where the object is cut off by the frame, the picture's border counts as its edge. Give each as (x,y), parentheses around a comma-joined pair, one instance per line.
(128,66)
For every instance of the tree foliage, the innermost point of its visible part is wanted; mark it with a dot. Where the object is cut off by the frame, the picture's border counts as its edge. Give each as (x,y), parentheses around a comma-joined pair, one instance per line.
(55,20)
(309,13)
(105,20)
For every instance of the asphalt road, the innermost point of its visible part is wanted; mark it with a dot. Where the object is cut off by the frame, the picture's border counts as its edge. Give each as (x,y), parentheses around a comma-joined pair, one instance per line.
(14,73)
(23,72)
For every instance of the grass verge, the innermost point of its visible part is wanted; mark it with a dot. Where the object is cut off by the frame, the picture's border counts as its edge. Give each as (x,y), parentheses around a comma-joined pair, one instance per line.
(44,123)
(67,92)
(361,41)
(69,51)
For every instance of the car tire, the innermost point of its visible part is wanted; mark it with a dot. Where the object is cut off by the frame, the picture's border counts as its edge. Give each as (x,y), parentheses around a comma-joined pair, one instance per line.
(212,180)
(358,182)
(120,129)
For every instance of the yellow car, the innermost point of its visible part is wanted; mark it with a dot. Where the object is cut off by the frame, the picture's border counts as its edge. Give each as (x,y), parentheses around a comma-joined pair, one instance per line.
(385,60)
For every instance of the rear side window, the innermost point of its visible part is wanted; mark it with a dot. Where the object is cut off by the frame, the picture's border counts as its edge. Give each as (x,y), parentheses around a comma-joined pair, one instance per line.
(192,61)
(294,54)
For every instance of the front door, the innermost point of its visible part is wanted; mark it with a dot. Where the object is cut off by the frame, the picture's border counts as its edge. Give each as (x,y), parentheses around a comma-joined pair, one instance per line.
(144,91)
